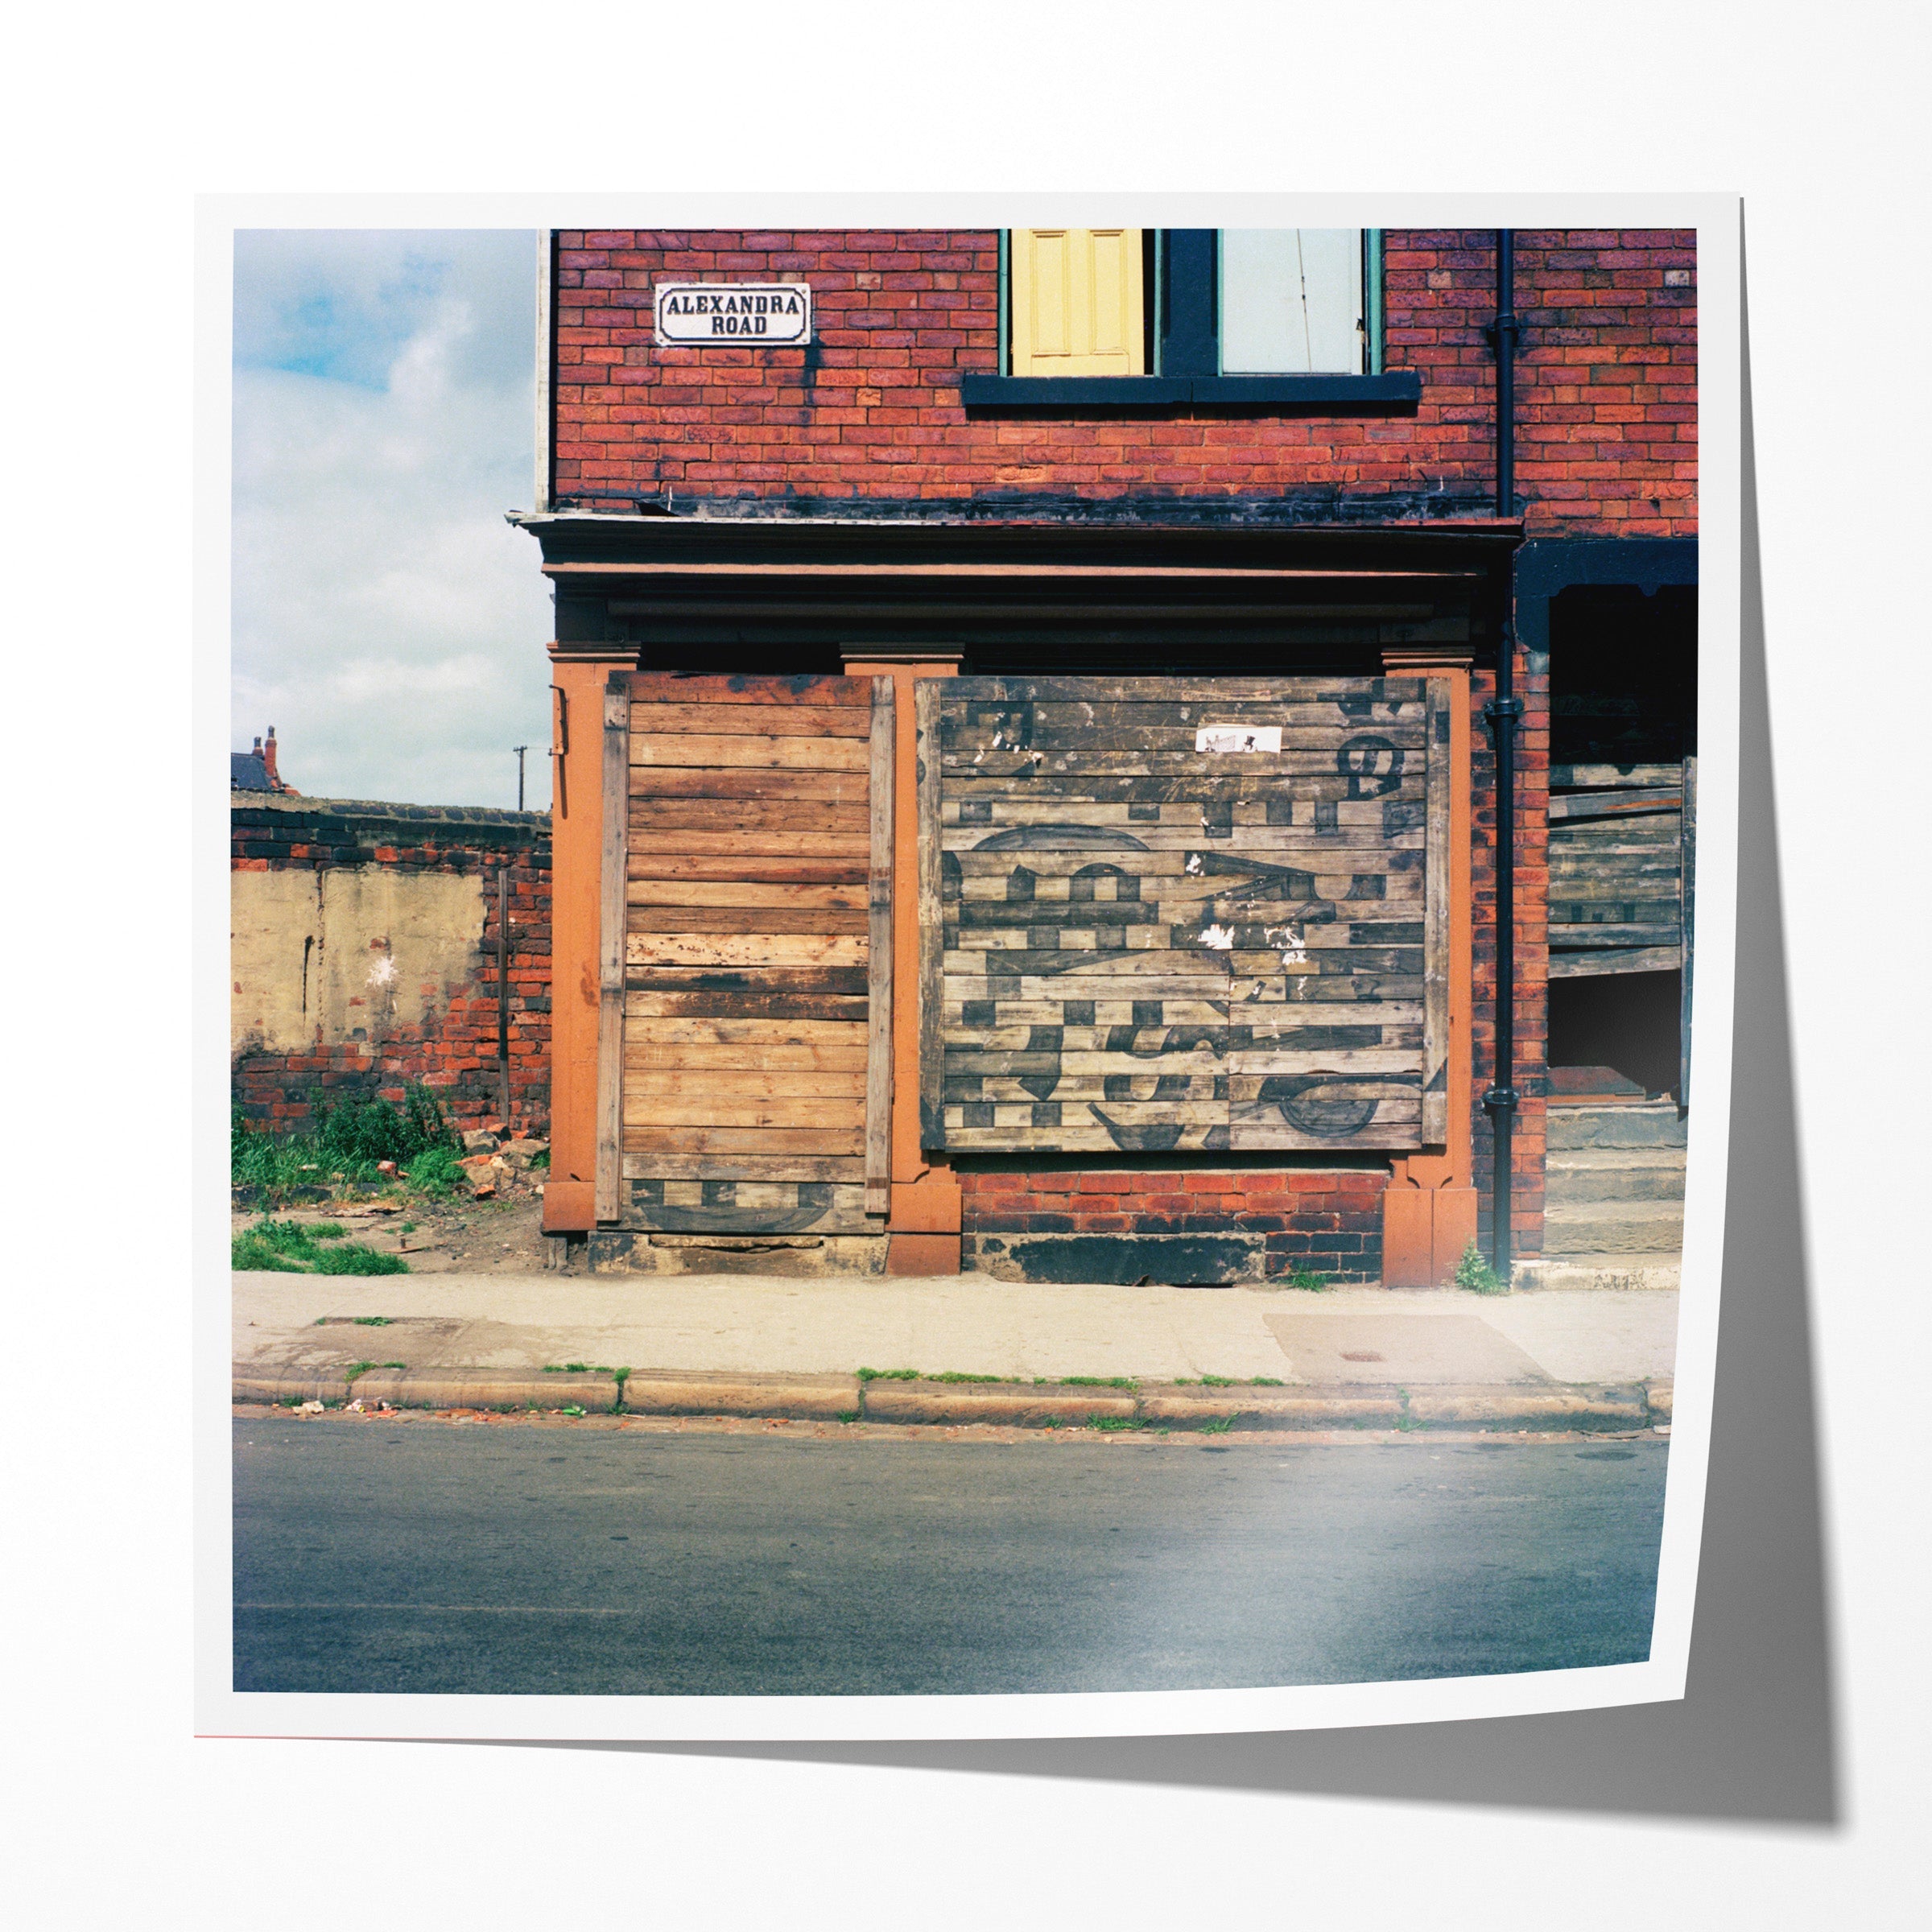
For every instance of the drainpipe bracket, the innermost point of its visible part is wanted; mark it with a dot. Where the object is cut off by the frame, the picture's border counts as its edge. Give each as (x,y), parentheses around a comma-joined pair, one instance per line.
(1500,1100)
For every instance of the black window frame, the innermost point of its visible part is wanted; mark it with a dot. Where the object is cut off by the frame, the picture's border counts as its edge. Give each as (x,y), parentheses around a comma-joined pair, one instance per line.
(1183,301)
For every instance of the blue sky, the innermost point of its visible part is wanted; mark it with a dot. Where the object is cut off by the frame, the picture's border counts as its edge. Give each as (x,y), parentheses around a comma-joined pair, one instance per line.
(385,620)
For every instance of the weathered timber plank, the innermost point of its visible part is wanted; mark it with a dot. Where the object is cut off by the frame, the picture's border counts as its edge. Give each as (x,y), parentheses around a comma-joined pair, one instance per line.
(753,782)
(980,744)
(743,1140)
(879,955)
(927,782)
(743,815)
(779,896)
(1599,805)
(607,1178)
(743,1006)
(755,1032)
(1089,1137)
(751,845)
(1565,933)
(1012,1089)
(845,1083)
(737,720)
(1575,777)
(743,1167)
(741,687)
(748,1057)
(725,1108)
(1290,762)
(745,920)
(727,949)
(1264,1062)
(798,754)
(662,866)
(1182,690)
(846,982)
(1051,834)
(1053,869)
(1615,959)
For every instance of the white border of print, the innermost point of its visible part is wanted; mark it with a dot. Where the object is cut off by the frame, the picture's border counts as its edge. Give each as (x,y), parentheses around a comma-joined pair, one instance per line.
(220,1710)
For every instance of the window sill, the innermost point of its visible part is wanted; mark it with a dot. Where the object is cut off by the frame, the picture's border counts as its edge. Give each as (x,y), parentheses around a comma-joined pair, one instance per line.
(1394,394)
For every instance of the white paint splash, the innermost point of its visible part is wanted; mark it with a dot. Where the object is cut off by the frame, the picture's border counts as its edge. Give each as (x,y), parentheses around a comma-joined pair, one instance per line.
(1219,938)
(382,971)
(1293,946)
(1237,738)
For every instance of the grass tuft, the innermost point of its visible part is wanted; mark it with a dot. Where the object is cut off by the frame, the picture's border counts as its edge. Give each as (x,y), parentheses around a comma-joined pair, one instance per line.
(1473,1272)
(888,1375)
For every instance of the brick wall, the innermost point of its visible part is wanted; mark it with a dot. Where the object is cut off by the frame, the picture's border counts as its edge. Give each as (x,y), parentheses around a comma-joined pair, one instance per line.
(444,1036)
(1606,401)
(1178,1224)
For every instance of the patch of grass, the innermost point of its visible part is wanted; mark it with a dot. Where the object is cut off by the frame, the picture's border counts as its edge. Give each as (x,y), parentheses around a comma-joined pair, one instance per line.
(888,1375)
(1219,1426)
(1114,1424)
(407,1228)
(1184,1382)
(848,1415)
(371,1321)
(1266,1382)
(248,1250)
(434,1172)
(345,1144)
(1098,1381)
(956,1375)
(1307,1280)
(1217,1382)
(357,1369)
(1473,1272)
(349,1259)
(570,1409)
(539,1163)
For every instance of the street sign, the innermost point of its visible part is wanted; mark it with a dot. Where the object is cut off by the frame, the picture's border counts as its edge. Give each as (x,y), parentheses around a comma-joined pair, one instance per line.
(705,314)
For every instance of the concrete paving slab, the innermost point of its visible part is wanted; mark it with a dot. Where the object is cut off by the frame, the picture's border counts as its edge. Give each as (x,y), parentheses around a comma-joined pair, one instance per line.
(1368,1345)
(968,1324)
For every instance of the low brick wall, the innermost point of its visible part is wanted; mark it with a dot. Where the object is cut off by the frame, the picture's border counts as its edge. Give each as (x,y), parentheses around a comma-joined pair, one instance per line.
(364,957)
(1177,1225)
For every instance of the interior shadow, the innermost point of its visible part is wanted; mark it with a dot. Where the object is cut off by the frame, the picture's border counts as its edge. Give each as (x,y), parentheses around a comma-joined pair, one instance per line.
(1755,1738)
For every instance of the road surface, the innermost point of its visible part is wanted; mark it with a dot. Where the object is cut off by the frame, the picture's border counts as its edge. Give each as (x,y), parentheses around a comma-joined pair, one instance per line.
(380,1556)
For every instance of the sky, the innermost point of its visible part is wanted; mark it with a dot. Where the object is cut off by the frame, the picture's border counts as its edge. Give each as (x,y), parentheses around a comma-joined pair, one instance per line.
(386,621)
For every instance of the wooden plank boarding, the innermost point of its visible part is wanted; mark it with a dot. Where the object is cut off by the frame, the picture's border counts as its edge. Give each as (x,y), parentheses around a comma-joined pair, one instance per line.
(749,881)
(1435,917)
(878,1070)
(1164,852)
(1618,882)
(926,696)
(609,1187)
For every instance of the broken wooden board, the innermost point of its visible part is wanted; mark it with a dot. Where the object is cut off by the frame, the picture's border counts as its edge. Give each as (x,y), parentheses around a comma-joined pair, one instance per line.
(1111,867)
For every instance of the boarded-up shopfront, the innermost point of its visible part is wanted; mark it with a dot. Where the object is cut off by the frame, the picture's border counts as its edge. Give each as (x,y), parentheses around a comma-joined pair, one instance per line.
(1148,876)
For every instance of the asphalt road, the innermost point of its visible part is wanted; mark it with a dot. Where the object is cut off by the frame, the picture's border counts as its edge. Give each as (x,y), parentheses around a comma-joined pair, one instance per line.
(372,1556)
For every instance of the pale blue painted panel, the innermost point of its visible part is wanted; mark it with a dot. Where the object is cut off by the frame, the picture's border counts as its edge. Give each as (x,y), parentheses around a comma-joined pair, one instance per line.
(1291,301)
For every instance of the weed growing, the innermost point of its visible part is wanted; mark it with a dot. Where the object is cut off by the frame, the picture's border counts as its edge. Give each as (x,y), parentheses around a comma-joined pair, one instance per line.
(1475,1275)
(1307,1280)
(346,1144)
(1115,1424)
(955,1375)
(888,1375)
(1219,1426)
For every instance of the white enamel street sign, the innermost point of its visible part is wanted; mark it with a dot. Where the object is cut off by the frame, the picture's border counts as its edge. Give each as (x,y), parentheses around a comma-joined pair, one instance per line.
(700,314)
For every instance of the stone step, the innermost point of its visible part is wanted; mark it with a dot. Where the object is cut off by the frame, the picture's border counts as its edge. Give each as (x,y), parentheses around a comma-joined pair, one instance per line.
(1606,1272)
(1613,1228)
(1614,1173)
(1648,1124)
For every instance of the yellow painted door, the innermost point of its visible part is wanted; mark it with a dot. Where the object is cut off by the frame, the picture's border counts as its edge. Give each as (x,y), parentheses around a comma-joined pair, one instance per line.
(1077,300)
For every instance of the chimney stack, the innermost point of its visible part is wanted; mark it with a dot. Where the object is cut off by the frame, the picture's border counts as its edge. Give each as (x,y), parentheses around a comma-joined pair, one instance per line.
(268,758)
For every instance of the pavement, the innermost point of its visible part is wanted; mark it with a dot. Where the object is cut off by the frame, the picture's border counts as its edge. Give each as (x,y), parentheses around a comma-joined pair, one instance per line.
(960,1349)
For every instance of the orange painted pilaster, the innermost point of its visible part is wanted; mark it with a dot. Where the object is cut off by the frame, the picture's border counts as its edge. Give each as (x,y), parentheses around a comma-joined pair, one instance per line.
(1423,1239)
(925,1221)
(576,848)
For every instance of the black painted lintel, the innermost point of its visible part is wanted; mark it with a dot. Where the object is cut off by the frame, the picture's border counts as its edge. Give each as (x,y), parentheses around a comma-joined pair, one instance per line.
(1396,392)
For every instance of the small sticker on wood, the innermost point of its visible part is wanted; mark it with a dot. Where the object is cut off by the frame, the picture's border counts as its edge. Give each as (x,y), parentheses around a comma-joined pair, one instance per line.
(1232,740)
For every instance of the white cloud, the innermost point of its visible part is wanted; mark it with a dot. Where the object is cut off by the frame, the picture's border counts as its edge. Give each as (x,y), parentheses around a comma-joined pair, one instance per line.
(387,621)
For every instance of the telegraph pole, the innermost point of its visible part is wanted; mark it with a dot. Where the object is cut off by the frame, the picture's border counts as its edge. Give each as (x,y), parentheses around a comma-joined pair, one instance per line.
(519,749)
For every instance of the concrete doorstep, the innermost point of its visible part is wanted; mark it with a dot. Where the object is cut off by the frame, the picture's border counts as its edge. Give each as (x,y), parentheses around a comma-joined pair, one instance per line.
(1538,1407)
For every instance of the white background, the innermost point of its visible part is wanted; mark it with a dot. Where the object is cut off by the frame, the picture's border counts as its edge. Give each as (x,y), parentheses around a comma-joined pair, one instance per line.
(122,1814)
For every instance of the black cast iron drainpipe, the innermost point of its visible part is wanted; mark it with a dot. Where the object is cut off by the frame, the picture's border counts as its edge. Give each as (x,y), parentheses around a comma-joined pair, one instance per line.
(1503,712)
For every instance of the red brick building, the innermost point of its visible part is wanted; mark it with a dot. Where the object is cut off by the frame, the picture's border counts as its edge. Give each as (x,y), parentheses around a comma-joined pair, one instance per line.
(1008,475)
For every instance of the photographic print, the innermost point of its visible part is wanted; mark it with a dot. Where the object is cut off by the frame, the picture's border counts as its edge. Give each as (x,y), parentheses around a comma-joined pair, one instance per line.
(968,963)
